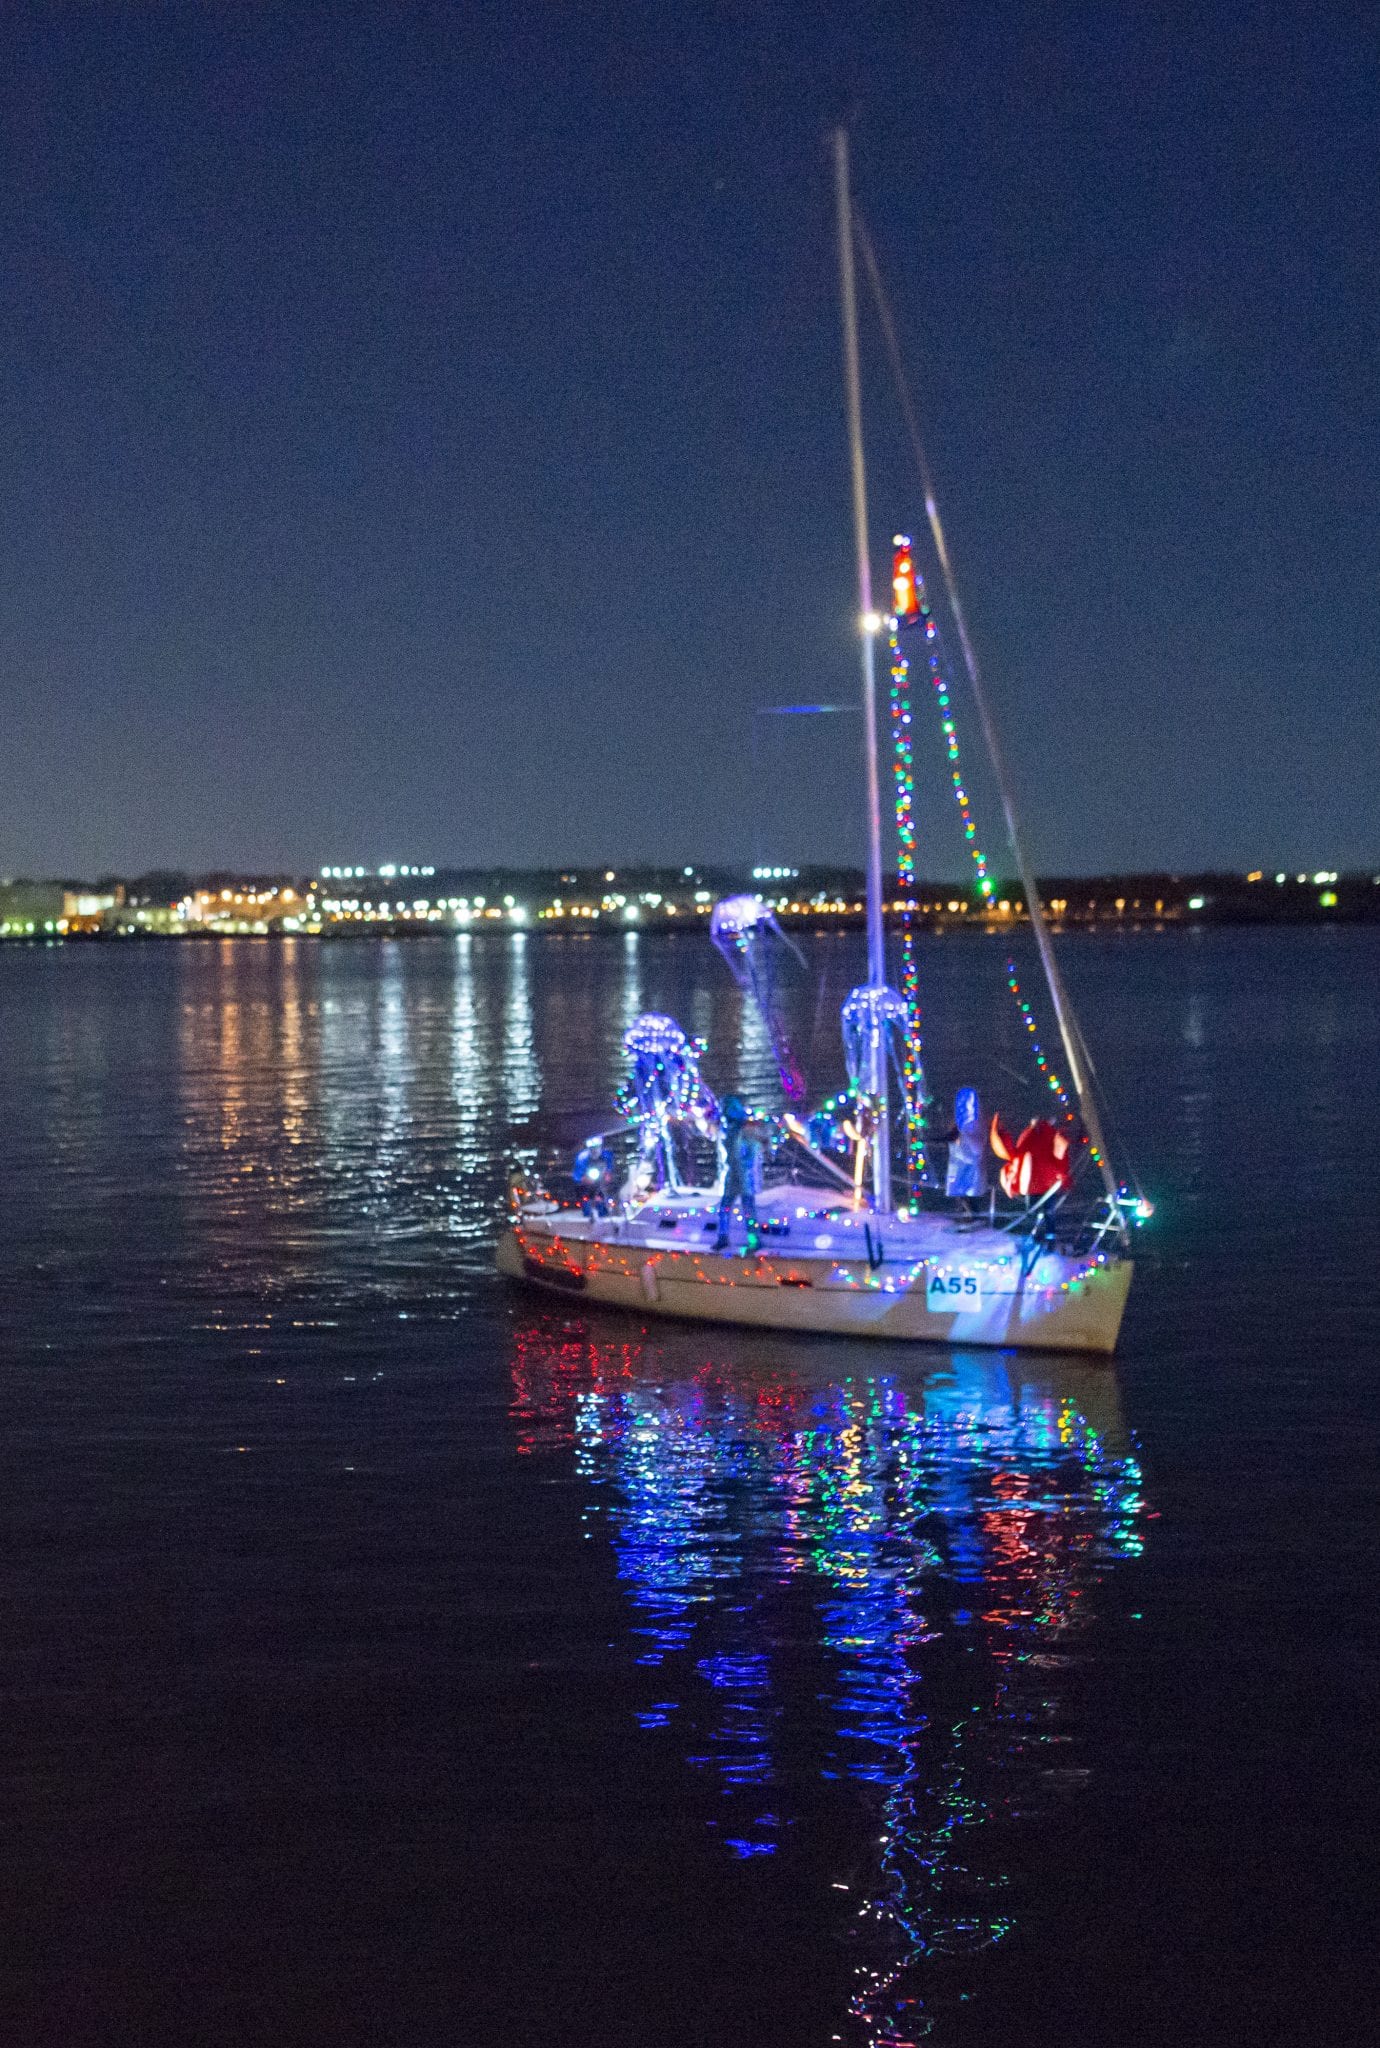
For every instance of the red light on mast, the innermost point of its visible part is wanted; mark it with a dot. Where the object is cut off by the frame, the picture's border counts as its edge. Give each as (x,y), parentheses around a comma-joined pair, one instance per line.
(905,595)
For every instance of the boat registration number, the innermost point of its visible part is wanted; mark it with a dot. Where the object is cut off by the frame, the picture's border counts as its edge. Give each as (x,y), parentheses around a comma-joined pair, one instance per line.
(953,1290)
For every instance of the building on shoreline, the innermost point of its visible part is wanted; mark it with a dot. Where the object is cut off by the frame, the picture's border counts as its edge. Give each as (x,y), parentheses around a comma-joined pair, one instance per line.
(54,909)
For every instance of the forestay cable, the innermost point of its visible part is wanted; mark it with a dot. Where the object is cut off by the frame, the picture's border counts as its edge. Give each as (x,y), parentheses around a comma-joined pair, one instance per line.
(1075,1048)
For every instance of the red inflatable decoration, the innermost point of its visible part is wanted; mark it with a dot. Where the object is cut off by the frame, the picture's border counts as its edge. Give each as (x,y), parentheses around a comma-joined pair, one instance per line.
(1037,1162)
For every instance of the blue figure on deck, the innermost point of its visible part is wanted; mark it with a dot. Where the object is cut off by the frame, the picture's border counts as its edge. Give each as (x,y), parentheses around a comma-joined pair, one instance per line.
(966,1177)
(744,1140)
(595,1174)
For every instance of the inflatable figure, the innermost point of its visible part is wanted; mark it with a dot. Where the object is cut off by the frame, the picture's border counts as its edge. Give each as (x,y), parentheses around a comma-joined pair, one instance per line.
(966,1173)
(1037,1162)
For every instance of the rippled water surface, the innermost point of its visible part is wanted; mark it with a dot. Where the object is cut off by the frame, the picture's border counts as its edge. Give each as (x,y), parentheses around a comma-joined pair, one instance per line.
(391,1657)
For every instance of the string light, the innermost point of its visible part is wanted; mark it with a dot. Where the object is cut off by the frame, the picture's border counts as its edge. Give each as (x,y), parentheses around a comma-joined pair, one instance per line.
(903,768)
(1055,1084)
(941,691)
(553,1257)
(945,703)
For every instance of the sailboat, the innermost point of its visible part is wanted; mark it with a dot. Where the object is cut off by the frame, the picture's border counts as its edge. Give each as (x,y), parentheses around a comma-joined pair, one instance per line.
(830,1250)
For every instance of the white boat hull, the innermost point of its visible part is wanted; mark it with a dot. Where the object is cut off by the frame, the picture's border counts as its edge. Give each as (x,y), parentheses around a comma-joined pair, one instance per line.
(926,1279)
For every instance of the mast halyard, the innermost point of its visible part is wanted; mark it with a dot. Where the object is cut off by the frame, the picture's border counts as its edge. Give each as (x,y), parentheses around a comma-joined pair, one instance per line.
(875,1068)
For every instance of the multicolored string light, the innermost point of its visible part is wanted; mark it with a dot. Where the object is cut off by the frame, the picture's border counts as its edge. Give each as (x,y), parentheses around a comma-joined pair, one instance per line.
(984,880)
(1056,1085)
(903,766)
(941,690)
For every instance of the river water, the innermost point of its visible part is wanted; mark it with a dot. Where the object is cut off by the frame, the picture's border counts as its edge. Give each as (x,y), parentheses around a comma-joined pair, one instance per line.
(391,1657)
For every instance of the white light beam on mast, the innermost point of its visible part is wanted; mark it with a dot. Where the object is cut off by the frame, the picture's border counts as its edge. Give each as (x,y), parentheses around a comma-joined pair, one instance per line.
(869,625)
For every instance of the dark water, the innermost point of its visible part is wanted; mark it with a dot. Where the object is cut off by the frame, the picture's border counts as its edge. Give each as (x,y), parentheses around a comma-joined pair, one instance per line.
(391,1658)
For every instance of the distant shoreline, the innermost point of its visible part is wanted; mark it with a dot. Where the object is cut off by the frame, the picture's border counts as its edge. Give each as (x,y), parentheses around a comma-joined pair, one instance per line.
(398,902)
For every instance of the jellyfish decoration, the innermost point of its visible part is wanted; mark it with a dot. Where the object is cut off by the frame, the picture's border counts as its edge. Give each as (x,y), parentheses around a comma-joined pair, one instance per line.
(875,1022)
(665,1090)
(746,932)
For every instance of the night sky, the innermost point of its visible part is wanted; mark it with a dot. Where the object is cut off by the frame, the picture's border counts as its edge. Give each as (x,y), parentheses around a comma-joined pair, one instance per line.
(423,440)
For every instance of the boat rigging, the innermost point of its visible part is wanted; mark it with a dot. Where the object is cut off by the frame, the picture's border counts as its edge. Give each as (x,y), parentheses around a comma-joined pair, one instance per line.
(827,1246)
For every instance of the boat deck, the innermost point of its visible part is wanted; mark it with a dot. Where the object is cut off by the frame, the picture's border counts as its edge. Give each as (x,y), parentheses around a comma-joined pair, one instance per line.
(794,1222)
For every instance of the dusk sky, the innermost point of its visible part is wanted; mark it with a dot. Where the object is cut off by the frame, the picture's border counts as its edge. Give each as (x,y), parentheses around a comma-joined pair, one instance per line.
(423,434)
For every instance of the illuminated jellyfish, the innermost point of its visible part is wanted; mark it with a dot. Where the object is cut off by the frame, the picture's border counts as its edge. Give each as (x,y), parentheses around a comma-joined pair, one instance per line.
(875,1023)
(875,1020)
(746,932)
(663,1090)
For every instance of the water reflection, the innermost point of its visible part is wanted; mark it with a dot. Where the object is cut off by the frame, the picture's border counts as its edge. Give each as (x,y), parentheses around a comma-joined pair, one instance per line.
(291,1045)
(391,1058)
(855,1593)
(630,999)
(521,1074)
(1194,1095)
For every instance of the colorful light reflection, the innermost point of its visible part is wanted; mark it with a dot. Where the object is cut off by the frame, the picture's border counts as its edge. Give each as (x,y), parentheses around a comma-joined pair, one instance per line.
(869,1583)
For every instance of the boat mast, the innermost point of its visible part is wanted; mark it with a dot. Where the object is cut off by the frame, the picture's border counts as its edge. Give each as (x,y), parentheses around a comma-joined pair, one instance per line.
(875,1071)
